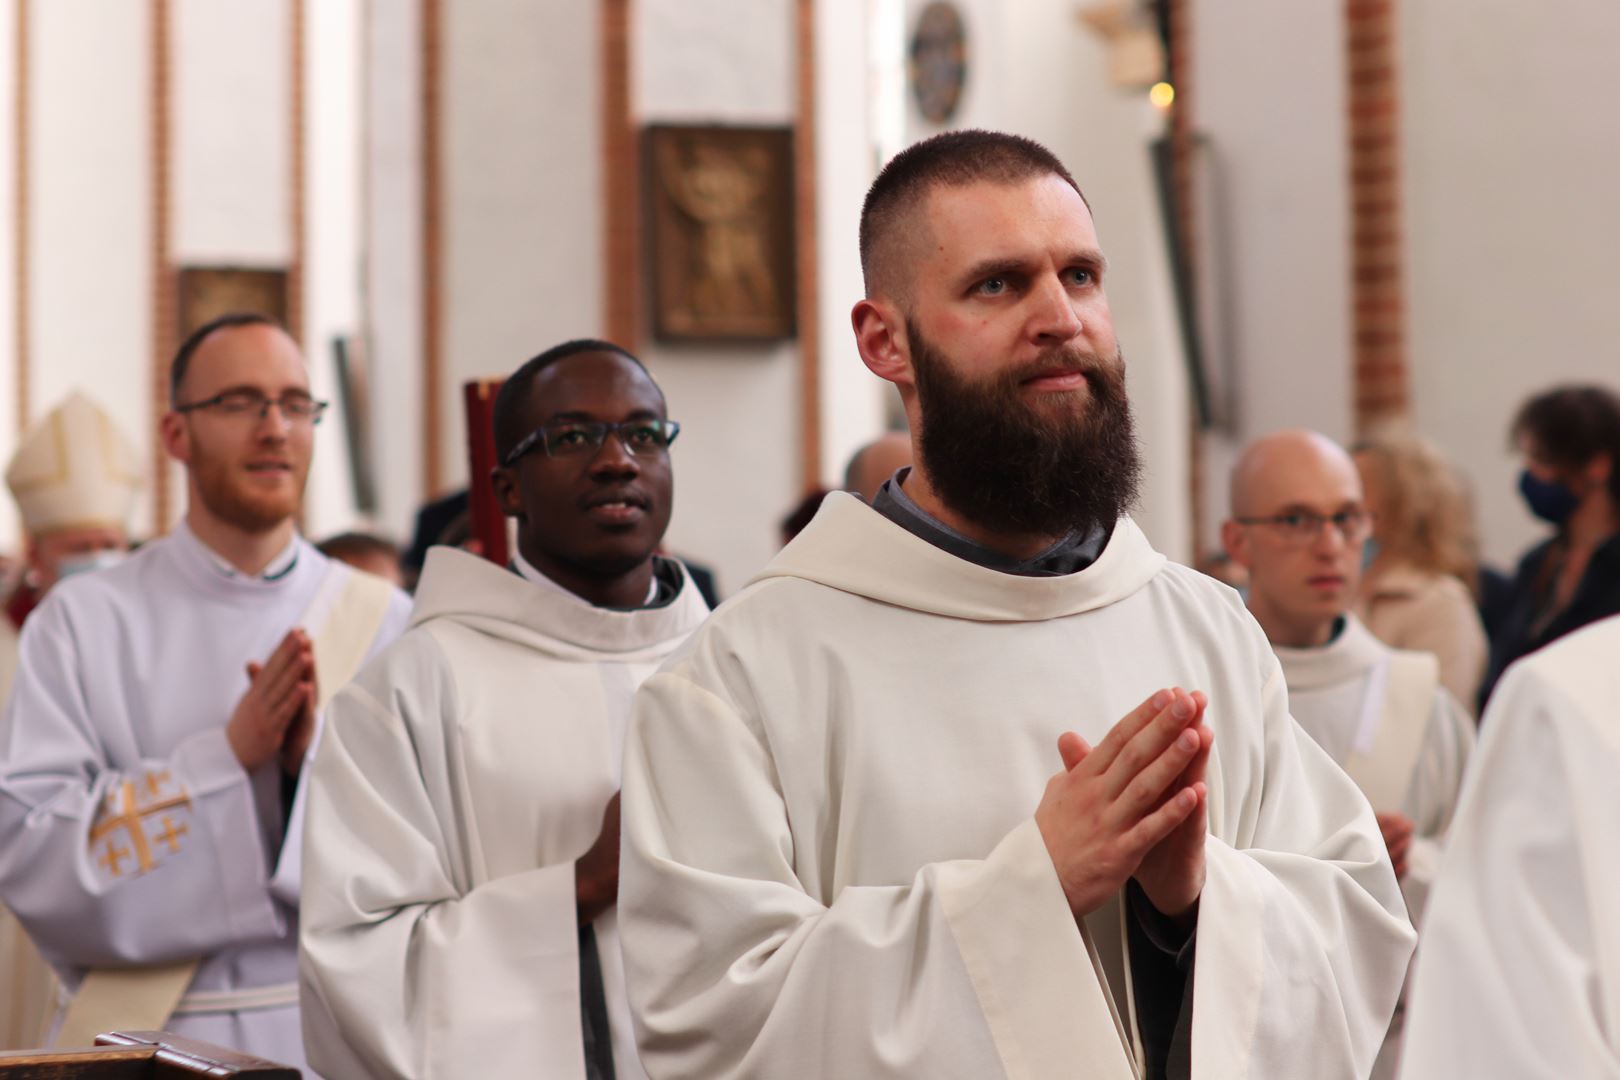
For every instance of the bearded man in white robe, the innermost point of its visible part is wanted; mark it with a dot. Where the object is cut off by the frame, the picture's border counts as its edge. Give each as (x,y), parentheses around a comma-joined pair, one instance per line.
(462,853)
(1299,525)
(882,816)
(155,740)
(1519,978)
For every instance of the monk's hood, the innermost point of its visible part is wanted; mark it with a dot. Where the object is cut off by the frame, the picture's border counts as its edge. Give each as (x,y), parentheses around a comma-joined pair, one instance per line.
(853,548)
(476,593)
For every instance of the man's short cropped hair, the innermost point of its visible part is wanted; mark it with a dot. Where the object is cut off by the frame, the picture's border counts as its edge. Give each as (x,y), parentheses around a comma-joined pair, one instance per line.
(507,418)
(953,159)
(1571,425)
(188,348)
(357,545)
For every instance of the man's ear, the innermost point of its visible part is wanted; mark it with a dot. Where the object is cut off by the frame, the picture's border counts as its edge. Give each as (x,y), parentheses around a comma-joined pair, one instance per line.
(175,436)
(504,481)
(1236,543)
(880,335)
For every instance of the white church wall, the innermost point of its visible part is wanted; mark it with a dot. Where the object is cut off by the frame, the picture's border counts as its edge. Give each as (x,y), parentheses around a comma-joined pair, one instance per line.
(89,240)
(230,173)
(10,528)
(848,80)
(737,462)
(522,216)
(392,269)
(332,253)
(1512,162)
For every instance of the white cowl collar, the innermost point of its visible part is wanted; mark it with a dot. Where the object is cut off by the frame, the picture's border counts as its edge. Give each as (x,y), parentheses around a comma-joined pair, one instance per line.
(1350,655)
(853,548)
(492,599)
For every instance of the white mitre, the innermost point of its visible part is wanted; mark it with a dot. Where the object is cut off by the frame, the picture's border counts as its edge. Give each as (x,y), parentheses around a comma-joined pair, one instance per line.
(73,468)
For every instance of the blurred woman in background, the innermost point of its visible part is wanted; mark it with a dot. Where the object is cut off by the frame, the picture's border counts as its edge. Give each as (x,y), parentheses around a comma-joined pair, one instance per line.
(1417,591)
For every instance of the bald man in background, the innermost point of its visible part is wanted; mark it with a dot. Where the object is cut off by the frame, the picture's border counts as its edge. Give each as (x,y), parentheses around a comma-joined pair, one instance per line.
(1299,525)
(876,462)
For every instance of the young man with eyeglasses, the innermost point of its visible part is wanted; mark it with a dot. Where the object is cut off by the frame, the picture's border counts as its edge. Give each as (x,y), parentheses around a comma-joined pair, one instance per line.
(158,729)
(462,867)
(1299,526)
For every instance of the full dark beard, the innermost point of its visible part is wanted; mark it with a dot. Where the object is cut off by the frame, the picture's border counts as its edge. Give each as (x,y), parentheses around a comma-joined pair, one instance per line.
(994,458)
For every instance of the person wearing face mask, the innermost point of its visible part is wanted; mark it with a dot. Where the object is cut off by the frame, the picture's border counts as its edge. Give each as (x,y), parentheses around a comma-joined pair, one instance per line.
(1570,439)
(74,482)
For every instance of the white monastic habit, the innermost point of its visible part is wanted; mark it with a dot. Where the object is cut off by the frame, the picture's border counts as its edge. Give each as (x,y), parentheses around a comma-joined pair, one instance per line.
(458,780)
(830,863)
(133,834)
(1519,976)
(1384,717)
(73,468)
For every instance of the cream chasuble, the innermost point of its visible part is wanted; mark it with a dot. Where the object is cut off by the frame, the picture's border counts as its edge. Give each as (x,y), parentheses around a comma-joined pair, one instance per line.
(458,780)
(1519,976)
(830,864)
(1383,715)
(133,835)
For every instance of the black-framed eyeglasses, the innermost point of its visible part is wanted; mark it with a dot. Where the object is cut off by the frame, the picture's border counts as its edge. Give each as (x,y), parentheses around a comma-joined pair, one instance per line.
(644,438)
(297,408)
(1302,526)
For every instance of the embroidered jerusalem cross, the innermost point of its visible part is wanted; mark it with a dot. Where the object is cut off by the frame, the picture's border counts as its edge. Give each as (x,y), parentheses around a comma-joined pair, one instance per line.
(129,807)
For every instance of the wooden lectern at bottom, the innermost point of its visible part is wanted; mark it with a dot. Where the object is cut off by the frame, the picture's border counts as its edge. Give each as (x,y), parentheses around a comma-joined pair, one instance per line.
(141,1055)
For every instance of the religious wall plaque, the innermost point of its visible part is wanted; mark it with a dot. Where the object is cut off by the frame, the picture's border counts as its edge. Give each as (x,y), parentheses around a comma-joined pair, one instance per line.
(720,210)
(207,292)
(938,64)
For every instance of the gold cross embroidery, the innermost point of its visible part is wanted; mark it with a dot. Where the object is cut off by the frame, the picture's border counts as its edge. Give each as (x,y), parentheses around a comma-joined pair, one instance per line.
(131,817)
(114,858)
(171,834)
(155,782)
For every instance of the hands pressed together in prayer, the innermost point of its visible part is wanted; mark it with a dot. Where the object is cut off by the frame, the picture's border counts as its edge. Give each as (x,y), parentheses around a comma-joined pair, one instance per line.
(275,719)
(1398,830)
(1133,806)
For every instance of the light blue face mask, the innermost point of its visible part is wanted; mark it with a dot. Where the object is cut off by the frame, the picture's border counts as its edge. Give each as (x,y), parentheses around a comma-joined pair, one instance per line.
(84,564)
(1369,553)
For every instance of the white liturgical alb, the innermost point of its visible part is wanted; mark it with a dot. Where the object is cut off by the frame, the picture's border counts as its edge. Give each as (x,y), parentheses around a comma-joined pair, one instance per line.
(458,780)
(133,834)
(830,864)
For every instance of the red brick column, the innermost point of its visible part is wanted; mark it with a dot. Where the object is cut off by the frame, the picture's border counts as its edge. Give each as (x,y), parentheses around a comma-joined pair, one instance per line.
(1381,385)
(165,312)
(622,264)
(1183,142)
(432,313)
(804,244)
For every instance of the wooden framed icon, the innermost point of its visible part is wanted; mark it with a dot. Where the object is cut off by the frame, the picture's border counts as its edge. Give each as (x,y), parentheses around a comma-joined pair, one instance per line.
(207,292)
(720,213)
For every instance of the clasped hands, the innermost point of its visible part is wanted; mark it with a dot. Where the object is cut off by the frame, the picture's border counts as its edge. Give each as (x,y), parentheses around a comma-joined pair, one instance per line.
(275,719)
(1136,805)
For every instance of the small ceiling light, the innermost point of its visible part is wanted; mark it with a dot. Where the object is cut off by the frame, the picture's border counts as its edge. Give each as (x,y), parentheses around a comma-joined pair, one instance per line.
(1162,94)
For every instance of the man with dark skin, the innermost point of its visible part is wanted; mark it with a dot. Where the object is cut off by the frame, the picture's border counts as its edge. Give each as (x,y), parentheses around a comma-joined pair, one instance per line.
(592,531)
(466,792)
